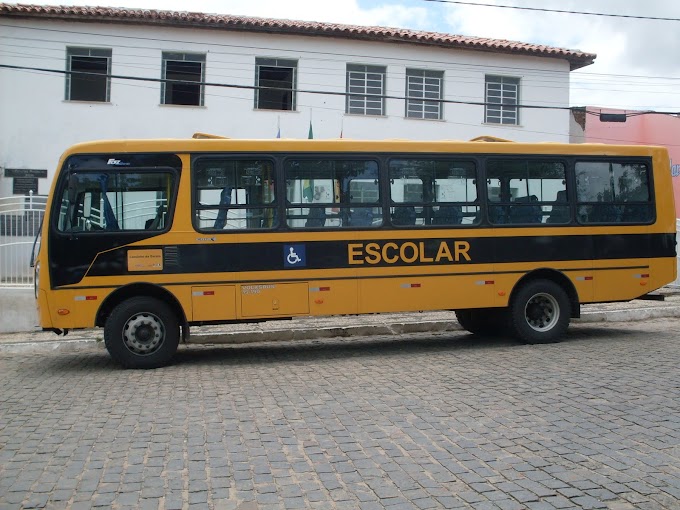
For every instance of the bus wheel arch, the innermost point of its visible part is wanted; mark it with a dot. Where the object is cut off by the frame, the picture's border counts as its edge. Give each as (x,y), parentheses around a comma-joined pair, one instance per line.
(139,289)
(541,305)
(141,326)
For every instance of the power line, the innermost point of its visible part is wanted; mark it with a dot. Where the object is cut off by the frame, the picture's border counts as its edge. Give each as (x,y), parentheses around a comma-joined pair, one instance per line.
(301,91)
(258,87)
(464,124)
(585,13)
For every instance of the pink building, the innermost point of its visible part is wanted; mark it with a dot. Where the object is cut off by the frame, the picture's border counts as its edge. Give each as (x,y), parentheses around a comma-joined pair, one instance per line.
(640,128)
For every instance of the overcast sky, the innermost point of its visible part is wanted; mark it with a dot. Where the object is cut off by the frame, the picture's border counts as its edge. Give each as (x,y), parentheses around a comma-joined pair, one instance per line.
(636,67)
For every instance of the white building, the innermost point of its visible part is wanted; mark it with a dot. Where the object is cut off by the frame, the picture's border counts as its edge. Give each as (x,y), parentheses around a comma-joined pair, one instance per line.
(71,74)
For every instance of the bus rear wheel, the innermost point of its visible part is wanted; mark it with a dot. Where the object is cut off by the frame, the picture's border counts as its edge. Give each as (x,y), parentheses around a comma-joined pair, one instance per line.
(142,332)
(540,312)
(483,321)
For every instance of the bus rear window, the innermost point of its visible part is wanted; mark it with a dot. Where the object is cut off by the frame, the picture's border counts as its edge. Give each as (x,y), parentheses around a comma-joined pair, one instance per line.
(613,192)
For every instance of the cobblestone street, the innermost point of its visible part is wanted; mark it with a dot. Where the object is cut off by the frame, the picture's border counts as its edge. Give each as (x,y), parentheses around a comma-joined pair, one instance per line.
(422,421)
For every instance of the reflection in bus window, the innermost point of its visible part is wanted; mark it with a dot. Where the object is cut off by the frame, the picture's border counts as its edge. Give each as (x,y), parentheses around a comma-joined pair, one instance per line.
(609,192)
(427,192)
(332,193)
(234,194)
(523,191)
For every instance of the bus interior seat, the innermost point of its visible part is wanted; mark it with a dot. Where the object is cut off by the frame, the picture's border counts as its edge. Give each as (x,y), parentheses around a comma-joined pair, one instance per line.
(498,214)
(560,211)
(526,213)
(604,213)
(635,213)
(225,199)
(404,216)
(361,217)
(448,215)
(155,223)
(316,217)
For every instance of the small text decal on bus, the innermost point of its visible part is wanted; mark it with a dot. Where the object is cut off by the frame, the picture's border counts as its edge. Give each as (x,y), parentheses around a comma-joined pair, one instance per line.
(407,252)
(117,162)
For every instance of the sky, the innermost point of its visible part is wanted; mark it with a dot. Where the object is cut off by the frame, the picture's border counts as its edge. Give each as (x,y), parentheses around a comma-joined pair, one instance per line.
(636,67)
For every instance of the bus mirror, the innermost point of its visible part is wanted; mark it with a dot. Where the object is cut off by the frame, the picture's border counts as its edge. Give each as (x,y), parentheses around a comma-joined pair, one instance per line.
(72,188)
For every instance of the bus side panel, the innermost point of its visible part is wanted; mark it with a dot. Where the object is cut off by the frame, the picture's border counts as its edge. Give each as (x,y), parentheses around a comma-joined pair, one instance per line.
(333,297)
(274,300)
(74,308)
(213,303)
(414,293)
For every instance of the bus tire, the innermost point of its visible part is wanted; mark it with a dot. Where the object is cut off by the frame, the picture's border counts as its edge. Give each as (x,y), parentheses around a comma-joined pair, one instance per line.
(540,312)
(142,332)
(483,321)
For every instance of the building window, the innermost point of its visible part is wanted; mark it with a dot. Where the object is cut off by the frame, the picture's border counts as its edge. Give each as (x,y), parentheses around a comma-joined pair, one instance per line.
(365,90)
(185,73)
(88,77)
(502,98)
(424,94)
(277,79)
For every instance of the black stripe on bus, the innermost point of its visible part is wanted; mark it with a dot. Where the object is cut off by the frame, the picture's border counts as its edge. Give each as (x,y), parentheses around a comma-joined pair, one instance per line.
(271,256)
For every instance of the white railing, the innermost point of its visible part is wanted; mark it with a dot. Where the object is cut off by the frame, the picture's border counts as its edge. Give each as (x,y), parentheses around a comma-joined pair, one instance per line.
(20,219)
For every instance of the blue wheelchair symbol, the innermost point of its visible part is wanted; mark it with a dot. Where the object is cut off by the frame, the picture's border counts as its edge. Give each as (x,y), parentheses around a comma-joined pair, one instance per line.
(294,255)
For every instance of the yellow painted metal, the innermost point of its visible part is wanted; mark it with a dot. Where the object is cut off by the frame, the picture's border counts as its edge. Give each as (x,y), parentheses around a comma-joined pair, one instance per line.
(274,299)
(213,303)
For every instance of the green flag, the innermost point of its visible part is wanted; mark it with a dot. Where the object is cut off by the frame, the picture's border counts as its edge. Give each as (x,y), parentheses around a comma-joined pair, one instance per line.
(311,132)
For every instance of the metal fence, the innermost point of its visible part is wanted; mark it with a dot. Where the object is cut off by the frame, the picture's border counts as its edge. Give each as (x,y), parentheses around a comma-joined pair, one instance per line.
(20,219)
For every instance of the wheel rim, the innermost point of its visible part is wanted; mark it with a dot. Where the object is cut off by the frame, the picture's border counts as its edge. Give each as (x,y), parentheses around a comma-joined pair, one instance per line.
(542,312)
(143,333)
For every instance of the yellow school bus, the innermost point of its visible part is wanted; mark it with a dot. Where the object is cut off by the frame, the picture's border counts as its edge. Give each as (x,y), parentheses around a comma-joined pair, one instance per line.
(146,238)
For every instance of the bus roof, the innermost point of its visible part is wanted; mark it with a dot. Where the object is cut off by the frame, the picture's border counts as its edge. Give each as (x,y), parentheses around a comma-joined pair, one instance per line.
(483,145)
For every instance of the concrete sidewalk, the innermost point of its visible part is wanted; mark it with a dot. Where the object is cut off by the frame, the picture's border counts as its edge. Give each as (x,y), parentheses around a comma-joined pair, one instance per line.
(307,328)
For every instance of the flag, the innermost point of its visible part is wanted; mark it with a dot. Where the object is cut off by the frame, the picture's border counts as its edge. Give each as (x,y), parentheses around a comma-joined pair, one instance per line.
(342,125)
(311,132)
(278,133)
(308,189)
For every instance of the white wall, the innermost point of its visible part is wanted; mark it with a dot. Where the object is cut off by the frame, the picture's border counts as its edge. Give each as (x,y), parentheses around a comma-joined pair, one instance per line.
(37,124)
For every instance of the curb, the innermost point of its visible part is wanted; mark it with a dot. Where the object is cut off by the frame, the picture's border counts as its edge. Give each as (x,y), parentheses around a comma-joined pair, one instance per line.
(392,329)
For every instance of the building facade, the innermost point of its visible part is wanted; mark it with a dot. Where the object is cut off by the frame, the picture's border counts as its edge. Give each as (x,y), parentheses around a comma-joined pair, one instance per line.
(72,74)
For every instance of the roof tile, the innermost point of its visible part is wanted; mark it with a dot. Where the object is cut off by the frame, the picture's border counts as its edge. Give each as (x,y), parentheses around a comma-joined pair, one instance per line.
(576,58)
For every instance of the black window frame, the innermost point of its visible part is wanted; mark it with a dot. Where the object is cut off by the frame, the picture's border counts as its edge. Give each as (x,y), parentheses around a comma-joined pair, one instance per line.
(379,204)
(428,214)
(274,206)
(504,207)
(619,205)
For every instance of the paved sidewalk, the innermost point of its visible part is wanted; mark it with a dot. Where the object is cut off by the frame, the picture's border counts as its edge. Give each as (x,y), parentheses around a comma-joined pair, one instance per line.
(307,328)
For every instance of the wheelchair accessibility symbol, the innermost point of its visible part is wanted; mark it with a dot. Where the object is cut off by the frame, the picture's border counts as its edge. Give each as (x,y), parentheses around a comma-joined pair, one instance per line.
(294,255)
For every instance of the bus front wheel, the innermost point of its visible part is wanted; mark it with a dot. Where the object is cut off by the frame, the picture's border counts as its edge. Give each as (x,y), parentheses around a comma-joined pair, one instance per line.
(540,312)
(142,332)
